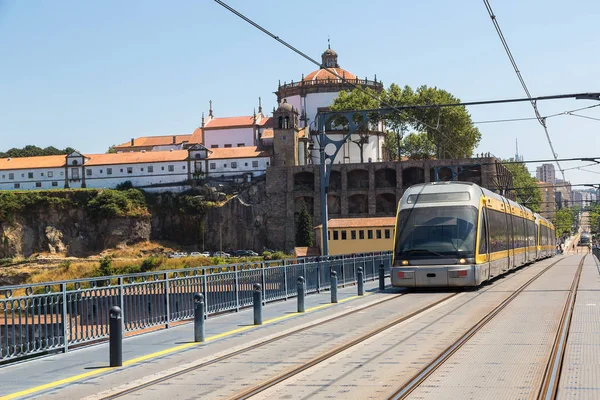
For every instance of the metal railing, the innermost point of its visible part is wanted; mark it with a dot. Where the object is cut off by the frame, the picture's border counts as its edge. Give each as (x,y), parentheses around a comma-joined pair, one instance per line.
(54,316)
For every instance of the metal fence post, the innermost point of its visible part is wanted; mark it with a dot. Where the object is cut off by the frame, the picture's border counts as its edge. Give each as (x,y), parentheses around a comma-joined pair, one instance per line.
(334,282)
(361,283)
(122,304)
(318,275)
(115,337)
(285,282)
(167,295)
(237,290)
(301,290)
(381,277)
(257,300)
(198,317)
(264,285)
(66,321)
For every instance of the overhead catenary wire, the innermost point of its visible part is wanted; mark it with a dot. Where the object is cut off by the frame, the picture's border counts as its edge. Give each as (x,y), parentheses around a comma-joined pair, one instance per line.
(564,113)
(541,120)
(333,72)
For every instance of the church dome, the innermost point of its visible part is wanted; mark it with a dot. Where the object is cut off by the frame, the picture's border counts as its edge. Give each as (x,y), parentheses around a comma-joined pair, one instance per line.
(285,106)
(324,75)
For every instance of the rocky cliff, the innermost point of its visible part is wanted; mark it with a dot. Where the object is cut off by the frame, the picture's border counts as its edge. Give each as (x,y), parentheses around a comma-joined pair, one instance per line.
(241,222)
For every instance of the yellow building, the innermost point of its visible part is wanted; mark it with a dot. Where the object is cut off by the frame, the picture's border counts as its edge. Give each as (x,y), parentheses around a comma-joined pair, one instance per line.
(358,235)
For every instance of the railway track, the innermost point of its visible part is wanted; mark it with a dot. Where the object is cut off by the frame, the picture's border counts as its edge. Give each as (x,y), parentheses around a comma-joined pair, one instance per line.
(260,344)
(552,373)
(404,390)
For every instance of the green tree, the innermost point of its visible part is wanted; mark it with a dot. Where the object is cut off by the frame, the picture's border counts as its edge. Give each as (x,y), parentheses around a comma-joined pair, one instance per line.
(111,150)
(563,221)
(525,187)
(449,129)
(304,229)
(357,100)
(417,146)
(33,151)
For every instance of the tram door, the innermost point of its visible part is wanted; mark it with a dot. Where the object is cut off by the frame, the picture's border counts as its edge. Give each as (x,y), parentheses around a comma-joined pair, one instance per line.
(509,237)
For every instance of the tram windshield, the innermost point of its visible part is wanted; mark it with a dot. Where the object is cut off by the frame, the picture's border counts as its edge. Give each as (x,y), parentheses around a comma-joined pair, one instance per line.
(436,232)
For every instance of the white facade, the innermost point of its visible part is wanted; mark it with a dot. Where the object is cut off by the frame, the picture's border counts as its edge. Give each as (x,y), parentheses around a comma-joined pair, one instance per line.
(32,178)
(224,168)
(233,137)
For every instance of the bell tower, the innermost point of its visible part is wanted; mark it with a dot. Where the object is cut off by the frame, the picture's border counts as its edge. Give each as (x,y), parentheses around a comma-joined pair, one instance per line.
(285,135)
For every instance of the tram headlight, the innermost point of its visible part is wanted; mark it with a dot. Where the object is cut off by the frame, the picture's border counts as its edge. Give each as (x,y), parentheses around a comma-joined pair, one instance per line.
(462,261)
(404,262)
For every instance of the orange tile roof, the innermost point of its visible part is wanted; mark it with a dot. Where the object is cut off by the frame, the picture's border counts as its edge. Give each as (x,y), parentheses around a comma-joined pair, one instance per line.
(197,136)
(322,75)
(266,122)
(136,157)
(267,134)
(164,140)
(237,152)
(361,222)
(229,122)
(33,162)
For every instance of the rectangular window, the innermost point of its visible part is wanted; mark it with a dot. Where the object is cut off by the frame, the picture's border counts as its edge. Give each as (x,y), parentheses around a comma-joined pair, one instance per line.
(50,174)
(142,169)
(101,171)
(225,165)
(245,164)
(42,174)
(335,235)
(108,171)
(361,234)
(213,165)
(387,234)
(227,146)
(22,175)
(130,170)
(370,234)
(343,235)
(88,172)
(328,235)
(162,168)
(183,167)
(74,173)
(234,164)
(38,184)
(254,164)
(171,168)
(30,175)
(241,144)
(121,170)
(267,163)
(214,146)
(11,176)
(353,235)
(150,169)
(17,185)
(62,173)
(54,184)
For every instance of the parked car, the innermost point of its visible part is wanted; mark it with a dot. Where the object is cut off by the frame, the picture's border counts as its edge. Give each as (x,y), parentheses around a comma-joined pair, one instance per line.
(205,254)
(178,255)
(221,254)
(243,253)
(195,254)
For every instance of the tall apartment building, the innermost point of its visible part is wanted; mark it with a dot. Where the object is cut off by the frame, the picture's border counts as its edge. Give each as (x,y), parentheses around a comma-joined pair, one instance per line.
(546,173)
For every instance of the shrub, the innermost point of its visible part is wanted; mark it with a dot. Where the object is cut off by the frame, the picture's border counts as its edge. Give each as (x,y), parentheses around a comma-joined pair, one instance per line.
(151,263)
(106,267)
(124,186)
(65,265)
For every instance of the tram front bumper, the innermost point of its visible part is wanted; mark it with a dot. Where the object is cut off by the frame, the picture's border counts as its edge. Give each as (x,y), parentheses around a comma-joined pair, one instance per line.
(433,276)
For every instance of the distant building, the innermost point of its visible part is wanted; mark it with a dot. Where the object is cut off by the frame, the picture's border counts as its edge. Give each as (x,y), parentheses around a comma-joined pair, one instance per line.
(566,198)
(154,143)
(358,235)
(546,173)
(174,170)
(548,206)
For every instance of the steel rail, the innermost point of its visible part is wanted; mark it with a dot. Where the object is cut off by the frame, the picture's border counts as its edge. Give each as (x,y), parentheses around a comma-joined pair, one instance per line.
(549,386)
(249,348)
(418,378)
(296,370)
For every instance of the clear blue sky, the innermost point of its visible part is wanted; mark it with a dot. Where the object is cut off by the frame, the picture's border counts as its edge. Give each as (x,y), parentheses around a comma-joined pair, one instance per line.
(91,74)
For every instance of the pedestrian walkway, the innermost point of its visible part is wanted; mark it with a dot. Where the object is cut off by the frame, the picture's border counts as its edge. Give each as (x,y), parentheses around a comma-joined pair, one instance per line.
(38,376)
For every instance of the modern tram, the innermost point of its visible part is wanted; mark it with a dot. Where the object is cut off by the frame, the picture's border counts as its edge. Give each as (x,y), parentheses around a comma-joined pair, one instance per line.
(460,234)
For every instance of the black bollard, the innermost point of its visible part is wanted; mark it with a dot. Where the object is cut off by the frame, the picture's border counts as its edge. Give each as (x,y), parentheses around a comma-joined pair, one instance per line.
(381,277)
(334,283)
(257,298)
(115,335)
(198,317)
(361,283)
(301,290)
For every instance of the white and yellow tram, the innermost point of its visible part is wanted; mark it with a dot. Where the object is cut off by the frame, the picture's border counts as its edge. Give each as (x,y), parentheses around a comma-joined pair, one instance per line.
(460,234)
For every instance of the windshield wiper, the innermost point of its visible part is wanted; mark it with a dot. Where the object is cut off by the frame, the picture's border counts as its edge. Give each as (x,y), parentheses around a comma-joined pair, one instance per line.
(423,250)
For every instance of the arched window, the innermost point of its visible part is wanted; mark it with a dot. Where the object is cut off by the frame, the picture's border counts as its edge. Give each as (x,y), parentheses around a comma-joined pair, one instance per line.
(74,162)
(280,122)
(287,123)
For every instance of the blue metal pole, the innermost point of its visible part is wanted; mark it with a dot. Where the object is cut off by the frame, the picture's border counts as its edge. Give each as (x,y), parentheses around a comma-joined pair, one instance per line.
(257,299)
(381,277)
(361,283)
(301,290)
(198,317)
(115,337)
(334,283)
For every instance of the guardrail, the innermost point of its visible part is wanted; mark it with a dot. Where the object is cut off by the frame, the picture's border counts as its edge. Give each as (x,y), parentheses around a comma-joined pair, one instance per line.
(54,316)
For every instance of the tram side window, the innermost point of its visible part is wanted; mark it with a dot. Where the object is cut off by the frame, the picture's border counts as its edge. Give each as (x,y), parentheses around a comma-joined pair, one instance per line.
(498,231)
(532,232)
(482,233)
